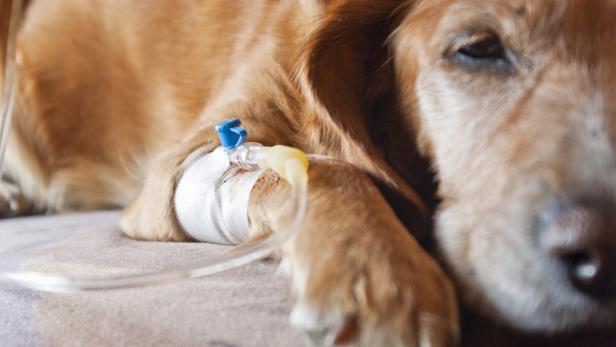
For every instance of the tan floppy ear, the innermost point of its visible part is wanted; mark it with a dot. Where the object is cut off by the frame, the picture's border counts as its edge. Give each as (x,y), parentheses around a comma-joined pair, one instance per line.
(342,67)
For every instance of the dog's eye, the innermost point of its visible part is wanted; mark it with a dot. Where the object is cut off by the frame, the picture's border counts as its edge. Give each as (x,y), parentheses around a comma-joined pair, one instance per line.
(482,51)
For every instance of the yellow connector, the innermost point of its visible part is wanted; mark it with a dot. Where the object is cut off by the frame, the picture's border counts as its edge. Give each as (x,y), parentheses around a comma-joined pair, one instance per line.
(288,162)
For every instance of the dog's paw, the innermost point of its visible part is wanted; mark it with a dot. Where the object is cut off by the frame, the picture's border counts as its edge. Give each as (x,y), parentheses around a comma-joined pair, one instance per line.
(12,202)
(151,217)
(375,299)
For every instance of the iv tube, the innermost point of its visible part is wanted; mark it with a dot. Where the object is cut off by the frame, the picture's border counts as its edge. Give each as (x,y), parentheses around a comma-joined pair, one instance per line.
(10,79)
(290,222)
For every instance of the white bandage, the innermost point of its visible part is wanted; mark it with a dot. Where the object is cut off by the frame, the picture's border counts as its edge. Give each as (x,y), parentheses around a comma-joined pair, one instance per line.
(211,199)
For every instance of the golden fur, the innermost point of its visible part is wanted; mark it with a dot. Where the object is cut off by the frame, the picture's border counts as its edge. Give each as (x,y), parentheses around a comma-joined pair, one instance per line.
(114,95)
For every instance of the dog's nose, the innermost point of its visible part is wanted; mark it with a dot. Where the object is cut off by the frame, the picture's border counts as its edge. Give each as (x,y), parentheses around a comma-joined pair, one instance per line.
(582,238)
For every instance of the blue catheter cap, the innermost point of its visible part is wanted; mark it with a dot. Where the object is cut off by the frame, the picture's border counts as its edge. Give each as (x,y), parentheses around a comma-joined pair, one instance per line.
(231,133)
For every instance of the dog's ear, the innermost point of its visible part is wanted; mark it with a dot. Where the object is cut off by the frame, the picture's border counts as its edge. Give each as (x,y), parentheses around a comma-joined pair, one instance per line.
(344,69)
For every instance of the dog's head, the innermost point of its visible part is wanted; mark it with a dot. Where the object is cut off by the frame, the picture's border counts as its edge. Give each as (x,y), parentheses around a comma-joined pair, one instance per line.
(513,103)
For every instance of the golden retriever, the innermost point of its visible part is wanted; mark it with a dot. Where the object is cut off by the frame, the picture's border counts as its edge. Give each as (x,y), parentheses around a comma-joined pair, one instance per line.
(507,104)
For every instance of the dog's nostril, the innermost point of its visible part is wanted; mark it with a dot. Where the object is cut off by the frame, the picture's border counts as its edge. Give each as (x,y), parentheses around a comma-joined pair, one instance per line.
(580,237)
(583,266)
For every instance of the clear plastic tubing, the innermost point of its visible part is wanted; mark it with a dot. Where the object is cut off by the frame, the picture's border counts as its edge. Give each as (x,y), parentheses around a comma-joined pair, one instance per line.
(10,79)
(249,156)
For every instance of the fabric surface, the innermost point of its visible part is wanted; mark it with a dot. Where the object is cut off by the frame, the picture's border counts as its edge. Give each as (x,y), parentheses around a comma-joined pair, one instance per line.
(248,306)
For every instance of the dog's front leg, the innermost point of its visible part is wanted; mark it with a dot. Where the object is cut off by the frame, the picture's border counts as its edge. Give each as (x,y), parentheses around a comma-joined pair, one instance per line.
(151,215)
(358,275)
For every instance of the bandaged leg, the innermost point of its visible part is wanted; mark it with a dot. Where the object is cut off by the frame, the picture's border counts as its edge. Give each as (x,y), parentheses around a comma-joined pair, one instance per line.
(211,199)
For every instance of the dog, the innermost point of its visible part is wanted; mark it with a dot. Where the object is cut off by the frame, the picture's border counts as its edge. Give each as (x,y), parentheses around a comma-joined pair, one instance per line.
(506,105)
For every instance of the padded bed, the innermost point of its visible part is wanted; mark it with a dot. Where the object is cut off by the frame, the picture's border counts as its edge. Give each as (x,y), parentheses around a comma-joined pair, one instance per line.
(244,307)
(247,306)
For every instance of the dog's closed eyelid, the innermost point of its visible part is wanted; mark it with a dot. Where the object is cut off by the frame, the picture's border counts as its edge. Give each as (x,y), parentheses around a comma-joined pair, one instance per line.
(470,37)
(480,51)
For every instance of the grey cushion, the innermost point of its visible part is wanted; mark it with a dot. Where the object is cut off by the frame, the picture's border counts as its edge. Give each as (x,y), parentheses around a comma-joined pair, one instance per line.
(248,306)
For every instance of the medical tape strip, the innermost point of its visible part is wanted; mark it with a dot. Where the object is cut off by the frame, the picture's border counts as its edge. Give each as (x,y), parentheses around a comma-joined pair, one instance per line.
(211,199)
